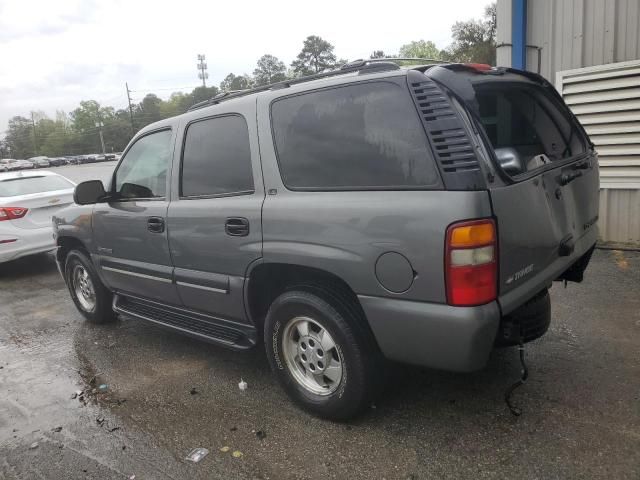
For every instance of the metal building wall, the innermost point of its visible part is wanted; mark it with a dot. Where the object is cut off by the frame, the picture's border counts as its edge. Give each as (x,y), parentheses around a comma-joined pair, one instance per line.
(567,34)
(606,100)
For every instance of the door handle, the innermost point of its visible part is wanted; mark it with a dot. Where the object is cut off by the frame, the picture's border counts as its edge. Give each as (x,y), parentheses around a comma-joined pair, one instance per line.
(237,226)
(155,224)
(567,178)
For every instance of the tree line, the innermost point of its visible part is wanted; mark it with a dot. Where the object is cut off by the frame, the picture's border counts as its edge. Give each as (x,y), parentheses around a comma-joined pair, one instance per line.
(78,131)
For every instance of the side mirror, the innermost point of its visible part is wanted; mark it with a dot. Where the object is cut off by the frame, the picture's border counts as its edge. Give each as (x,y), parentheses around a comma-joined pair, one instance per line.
(88,193)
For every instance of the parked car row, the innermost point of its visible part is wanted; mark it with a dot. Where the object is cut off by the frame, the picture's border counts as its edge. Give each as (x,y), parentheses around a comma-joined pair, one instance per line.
(11,164)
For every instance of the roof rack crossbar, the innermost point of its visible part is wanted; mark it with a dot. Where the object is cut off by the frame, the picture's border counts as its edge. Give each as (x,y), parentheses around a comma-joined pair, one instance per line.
(359,65)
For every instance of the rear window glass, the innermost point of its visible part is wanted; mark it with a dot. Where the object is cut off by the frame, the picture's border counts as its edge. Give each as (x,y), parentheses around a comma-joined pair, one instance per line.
(527,128)
(354,137)
(12,187)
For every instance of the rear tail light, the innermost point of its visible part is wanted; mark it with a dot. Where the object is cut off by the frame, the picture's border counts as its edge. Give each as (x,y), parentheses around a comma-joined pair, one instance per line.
(12,213)
(471,266)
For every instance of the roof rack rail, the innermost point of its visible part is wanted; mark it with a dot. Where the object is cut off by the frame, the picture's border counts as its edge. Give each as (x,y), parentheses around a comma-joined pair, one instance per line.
(406,59)
(371,65)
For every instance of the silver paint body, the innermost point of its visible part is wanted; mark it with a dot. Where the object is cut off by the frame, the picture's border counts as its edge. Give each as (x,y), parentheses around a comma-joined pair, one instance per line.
(195,265)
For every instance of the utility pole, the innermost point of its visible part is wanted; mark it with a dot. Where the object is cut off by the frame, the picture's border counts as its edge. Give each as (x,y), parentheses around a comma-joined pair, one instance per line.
(35,142)
(133,128)
(99,125)
(202,67)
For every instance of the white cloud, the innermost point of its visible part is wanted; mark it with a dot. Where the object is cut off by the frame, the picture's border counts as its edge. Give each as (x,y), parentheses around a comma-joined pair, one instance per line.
(55,54)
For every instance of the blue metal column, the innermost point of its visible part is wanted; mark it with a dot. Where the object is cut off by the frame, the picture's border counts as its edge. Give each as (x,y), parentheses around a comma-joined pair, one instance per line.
(519,34)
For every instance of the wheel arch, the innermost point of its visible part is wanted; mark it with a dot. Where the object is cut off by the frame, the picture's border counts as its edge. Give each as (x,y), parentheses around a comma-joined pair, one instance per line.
(267,280)
(67,243)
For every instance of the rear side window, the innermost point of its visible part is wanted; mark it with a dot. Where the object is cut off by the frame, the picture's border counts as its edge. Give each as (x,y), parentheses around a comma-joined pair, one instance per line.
(354,137)
(217,158)
(28,185)
(527,128)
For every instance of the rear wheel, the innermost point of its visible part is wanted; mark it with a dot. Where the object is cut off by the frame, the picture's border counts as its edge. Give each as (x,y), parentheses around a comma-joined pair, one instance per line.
(321,353)
(89,294)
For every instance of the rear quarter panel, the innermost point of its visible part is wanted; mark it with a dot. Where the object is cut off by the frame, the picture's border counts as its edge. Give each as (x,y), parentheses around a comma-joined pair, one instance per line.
(346,232)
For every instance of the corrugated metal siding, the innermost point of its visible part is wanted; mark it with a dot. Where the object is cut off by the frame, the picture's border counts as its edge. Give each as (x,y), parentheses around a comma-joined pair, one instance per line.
(503,32)
(606,100)
(568,34)
(620,216)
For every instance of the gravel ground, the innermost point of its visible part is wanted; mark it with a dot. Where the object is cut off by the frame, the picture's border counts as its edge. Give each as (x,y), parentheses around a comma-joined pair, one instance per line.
(581,406)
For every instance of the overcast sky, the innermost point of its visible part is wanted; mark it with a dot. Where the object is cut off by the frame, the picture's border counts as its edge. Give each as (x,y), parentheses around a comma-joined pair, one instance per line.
(55,53)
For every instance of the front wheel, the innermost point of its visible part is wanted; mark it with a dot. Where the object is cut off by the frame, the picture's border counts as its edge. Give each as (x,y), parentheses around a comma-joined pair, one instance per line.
(321,353)
(89,294)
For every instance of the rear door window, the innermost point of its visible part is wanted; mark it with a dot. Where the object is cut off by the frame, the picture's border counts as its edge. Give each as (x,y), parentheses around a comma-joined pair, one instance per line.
(527,127)
(363,136)
(217,158)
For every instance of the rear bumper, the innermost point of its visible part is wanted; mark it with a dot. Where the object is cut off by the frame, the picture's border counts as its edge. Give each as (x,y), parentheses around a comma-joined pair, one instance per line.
(27,241)
(433,335)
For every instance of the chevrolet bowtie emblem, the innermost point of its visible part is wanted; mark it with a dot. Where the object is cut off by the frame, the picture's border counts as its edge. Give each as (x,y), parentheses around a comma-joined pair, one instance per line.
(54,200)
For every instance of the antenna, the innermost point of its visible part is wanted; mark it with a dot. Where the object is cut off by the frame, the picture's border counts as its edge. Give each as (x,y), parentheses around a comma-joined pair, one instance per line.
(202,67)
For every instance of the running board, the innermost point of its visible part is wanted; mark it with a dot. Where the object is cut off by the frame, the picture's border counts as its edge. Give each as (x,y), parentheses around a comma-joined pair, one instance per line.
(236,336)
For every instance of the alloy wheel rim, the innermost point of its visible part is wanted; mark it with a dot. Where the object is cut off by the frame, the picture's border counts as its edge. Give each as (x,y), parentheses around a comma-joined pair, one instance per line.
(312,356)
(83,288)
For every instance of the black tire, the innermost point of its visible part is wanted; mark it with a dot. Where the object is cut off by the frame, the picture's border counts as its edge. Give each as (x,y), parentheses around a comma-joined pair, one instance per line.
(102,311)
(361,361)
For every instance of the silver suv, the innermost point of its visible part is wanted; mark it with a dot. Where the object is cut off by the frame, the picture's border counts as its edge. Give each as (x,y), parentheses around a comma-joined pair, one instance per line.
(417,215)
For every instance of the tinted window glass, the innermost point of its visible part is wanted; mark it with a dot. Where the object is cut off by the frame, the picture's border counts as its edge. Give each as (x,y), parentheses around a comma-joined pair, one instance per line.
(359,136)
(143,171)
(527,126)
(27,185)
(217,158)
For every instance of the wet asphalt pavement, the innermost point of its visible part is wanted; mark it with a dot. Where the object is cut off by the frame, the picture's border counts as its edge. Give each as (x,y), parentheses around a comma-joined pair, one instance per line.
(581,406)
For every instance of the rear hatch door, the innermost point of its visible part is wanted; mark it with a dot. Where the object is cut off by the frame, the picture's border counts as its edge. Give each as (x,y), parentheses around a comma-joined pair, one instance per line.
(545,196)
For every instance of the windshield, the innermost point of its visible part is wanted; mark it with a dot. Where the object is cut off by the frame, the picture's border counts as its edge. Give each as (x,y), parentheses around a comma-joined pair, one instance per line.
(12,187)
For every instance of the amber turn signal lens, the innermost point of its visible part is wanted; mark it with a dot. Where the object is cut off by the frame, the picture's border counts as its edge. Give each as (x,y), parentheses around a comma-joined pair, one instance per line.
(472,235)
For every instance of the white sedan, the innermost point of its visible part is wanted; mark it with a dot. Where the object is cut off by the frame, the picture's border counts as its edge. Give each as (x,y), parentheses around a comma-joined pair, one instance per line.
(28,200)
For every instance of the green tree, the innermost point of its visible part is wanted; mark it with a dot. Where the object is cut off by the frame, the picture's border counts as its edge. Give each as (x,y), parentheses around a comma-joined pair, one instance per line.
(420,49)
(316,56)
(377,54)
(52,135)
(269,70)
(235,82)
(474,40)
(84,123)
(117,131)
(19,138)
(200,94)
(148,111)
